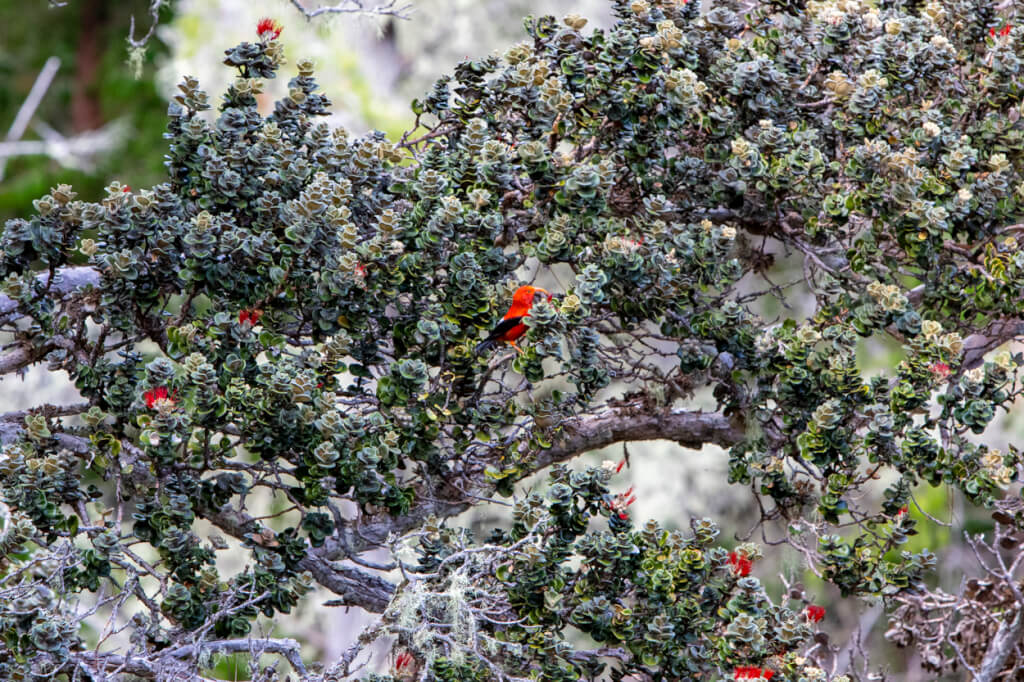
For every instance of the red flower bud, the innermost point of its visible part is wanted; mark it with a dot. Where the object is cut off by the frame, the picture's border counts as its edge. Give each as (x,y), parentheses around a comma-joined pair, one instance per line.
(815,613)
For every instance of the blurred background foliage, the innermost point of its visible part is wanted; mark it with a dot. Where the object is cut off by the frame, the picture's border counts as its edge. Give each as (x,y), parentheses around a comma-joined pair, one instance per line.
(370,69)
(94,86)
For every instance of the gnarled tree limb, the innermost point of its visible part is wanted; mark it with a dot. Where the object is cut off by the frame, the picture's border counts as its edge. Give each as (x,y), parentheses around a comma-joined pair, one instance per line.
(578,435)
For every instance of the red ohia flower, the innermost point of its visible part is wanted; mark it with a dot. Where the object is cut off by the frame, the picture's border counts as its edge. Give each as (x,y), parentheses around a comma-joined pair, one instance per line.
(250,316)
(940,370)
(157,396)
(1006,30)
(740,564)
(815,613)
(268,29)
(992,32)
(402,660)
(621,502)
(752,672)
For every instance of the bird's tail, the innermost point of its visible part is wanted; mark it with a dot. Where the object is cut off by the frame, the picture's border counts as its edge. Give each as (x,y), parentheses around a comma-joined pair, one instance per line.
(484,346)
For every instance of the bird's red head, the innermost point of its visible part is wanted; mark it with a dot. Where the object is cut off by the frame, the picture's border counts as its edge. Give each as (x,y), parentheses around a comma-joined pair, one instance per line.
(526,295)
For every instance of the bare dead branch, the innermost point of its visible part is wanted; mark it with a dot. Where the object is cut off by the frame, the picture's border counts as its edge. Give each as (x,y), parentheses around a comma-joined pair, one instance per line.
(391,8)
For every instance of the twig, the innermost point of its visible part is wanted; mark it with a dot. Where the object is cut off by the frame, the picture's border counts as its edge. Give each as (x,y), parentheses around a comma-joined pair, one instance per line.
(388,9)
(29,106)
(154,15)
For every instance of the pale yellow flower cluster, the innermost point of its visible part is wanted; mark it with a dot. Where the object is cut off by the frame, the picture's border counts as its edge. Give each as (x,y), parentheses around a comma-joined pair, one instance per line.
(872,79)
(616,244)
(1003,360)
(975,376)
(888,296)
(992,463)
(833,11)
(931,329)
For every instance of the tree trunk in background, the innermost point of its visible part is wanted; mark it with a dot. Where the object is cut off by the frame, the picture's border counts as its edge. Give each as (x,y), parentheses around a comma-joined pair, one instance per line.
(85,105)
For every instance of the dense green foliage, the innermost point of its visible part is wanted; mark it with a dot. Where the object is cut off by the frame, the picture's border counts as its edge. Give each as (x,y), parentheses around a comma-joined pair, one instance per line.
(280,341)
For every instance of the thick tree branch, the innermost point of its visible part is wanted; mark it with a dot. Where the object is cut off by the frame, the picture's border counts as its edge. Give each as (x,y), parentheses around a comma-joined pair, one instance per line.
(66,282)
(995,335)
(617,425)
(578,435)
(152,666)
(355,587)
(1006,638)
(22,356)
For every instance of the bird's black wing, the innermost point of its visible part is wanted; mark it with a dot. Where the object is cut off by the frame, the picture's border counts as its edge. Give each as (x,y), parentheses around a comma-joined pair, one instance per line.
(499,331)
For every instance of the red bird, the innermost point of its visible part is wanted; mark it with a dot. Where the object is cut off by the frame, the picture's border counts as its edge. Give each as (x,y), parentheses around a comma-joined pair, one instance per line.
(511,326)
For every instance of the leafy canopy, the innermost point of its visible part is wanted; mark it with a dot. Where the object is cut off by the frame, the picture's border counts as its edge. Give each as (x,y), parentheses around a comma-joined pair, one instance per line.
(279,341)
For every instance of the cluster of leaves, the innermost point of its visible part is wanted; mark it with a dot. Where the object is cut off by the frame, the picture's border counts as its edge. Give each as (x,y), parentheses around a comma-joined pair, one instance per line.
(677,605)
(294,314)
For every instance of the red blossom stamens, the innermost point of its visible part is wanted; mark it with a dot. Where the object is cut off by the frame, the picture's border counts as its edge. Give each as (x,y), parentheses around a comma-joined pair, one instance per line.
(740,564)
(940,370)
(157,396)
(752,672)
(992,32)
(127,188)
(619,467)
(815,613)
(403,659)
(268,29)
(360,269)
(1006,30)
(902,512)
(620,502)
